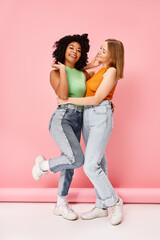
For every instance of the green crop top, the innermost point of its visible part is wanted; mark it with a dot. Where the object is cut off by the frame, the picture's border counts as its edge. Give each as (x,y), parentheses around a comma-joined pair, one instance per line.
(76,82)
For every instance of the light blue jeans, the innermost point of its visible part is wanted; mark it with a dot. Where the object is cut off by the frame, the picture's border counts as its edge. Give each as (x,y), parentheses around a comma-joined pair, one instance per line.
(97,127)
(65,128)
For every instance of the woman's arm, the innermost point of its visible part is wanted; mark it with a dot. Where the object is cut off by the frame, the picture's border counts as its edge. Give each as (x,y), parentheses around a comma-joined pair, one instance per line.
(58,80)
(109,80)
(94,63)
(90,73)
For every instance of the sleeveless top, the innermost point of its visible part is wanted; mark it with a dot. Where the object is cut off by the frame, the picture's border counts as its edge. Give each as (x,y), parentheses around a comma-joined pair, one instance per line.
(76,82)
(94,82)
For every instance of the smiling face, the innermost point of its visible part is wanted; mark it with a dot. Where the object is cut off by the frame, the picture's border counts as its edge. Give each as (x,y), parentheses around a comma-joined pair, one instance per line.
(72,54)
(103,55)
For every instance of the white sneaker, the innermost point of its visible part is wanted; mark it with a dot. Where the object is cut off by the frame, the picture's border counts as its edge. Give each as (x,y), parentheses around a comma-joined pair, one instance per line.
(65,211)
(116,213)
(94,213)
(37,172)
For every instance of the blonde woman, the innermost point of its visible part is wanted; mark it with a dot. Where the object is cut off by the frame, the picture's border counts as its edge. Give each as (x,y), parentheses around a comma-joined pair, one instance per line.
(98,124)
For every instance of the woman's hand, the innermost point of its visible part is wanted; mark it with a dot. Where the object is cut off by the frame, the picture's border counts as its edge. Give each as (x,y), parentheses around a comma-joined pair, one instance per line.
(95,62)
(58,66)
(61,101)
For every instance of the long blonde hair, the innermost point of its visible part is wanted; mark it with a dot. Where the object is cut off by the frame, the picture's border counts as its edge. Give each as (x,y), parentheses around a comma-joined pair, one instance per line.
(116,50)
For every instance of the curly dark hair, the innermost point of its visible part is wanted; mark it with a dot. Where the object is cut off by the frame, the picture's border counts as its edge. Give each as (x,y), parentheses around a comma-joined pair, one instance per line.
(61,45)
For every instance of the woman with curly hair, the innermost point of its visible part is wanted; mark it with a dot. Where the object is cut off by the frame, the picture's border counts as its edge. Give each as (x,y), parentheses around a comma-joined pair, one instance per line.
(98,124)
(67,80)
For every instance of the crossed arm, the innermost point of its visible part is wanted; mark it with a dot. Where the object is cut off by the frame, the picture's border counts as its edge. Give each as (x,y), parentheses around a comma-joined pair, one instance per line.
(108,82)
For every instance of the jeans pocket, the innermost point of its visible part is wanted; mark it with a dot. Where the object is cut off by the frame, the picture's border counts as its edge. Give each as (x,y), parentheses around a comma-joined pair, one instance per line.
(70,112)
(100,110)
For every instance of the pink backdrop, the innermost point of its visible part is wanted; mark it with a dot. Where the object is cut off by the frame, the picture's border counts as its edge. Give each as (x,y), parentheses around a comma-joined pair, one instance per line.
(28,30)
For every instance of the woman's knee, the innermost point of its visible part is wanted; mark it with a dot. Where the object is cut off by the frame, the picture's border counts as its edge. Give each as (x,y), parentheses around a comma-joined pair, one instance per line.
(90,169)
(79,160)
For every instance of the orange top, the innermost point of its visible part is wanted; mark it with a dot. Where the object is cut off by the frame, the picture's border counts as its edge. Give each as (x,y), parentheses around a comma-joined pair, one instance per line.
(94,82)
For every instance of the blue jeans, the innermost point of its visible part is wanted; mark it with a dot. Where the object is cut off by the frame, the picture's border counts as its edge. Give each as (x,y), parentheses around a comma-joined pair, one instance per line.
(65,128)
(97,127)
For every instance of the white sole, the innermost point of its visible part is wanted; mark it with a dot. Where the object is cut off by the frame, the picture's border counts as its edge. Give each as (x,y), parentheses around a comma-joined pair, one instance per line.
(57,213)
(93,217)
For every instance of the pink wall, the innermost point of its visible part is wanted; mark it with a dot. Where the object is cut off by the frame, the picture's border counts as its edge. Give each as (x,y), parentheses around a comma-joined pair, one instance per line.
(28,30)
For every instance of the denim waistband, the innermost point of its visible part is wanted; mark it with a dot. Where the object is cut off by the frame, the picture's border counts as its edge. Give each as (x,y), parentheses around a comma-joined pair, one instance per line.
(70,106)
(103,103)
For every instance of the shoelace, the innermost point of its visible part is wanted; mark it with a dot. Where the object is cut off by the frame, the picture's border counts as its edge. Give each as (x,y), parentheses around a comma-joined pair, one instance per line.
(115,210)
(69,207)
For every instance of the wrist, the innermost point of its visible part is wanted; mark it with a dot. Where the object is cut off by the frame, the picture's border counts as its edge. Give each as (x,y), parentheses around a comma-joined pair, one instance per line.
(68,100)
(89,65)
(62,69)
